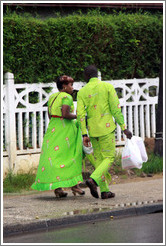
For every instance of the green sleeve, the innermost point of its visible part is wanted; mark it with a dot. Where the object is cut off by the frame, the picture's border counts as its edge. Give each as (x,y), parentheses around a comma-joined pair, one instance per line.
(67,100)
(81,113)
(115,107)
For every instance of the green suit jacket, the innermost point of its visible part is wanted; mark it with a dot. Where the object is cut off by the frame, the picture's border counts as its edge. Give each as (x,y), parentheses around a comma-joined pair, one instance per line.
(100,102)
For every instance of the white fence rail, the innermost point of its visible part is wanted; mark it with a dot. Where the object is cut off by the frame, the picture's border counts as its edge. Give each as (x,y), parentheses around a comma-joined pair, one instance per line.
(25,120)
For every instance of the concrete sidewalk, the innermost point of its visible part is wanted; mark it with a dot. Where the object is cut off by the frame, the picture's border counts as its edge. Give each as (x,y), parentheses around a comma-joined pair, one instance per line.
(39,210)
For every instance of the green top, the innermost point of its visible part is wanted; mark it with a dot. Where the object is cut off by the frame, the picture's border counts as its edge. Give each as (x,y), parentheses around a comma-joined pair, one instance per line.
(100,101)
(62,98)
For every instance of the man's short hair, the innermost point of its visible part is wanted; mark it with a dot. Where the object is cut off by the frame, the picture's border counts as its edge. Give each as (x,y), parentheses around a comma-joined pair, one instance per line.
(91,71)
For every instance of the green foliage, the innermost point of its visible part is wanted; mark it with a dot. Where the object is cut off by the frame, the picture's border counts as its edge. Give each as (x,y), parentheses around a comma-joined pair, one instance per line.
(21,182)
(121,45)
(117,166)
(17,183)
(153,165)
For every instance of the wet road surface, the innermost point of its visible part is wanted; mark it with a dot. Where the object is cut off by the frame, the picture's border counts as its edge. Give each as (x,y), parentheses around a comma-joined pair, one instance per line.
(138,229)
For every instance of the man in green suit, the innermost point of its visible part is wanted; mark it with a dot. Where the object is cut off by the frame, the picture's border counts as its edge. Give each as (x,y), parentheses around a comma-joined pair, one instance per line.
(99,101)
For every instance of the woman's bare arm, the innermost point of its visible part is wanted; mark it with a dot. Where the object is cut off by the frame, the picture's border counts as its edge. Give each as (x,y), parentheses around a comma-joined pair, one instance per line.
(66,113)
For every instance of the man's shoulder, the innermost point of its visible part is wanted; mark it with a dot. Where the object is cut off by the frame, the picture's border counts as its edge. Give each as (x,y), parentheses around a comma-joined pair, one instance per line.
(82,90)
(107,84)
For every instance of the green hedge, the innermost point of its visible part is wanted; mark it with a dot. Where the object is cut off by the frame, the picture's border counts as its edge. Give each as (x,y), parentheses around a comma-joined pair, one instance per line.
(121,45)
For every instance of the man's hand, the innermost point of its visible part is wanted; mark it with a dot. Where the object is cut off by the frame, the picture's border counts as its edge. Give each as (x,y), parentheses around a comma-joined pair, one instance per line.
(128,133)
(86,141)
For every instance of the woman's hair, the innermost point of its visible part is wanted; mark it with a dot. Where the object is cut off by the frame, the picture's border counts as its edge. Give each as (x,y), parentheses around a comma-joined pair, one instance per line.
(63,80)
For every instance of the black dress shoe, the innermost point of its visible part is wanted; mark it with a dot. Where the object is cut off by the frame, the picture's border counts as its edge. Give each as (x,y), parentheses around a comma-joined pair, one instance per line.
(93,187)
(106,195)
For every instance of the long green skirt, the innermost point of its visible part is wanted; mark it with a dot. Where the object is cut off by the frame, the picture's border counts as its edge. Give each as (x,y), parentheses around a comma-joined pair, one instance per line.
(60,162)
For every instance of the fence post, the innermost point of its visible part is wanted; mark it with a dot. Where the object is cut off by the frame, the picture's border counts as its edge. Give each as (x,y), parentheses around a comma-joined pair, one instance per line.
(99,75)
(10,120)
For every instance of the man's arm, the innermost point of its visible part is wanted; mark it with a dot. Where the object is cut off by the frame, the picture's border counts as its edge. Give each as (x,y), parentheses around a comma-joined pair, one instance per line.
(116,111)
(81,112)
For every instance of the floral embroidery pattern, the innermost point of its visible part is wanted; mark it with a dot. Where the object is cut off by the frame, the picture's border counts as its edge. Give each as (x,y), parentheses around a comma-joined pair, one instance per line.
(53,129)
(43,169)
(95,106)
(56,148)
(103,178)
(118,105)
(104,114)
(50,160)
(38,181)
(93,95)
(47,144)
(124,127)
(62,166)
(50,186)
(74,160)
(79,182)
(58,177)
(63,123)
(64,97)
(68,143)
(107,124)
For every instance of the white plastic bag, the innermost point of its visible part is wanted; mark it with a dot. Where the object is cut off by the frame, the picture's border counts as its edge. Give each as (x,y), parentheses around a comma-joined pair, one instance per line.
(88,150)
(131,156)
(140,143)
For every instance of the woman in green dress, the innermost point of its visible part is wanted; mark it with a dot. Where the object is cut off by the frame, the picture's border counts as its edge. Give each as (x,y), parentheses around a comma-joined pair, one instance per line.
(60,162)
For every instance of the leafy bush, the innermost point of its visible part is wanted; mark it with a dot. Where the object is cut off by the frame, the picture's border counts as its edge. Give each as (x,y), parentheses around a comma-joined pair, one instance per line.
(121,45)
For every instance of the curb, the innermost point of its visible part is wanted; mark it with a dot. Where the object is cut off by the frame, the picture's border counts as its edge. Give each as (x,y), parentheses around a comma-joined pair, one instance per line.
(78,219)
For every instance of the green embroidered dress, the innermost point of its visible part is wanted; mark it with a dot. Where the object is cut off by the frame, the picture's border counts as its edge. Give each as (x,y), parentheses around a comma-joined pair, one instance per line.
(60,162)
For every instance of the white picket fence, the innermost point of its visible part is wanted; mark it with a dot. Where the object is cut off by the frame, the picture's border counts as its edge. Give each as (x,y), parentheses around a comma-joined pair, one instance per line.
(25,122)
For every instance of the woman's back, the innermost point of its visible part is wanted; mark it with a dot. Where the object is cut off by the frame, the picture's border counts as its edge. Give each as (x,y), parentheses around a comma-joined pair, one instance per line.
(56,101)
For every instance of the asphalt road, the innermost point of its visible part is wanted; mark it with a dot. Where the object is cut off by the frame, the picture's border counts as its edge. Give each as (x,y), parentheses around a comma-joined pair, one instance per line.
(137,229)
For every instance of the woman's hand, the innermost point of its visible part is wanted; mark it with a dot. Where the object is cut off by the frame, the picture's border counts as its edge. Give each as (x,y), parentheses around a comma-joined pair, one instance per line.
(66,113)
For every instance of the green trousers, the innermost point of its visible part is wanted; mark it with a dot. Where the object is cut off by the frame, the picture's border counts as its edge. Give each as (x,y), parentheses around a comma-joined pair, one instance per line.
(104,154)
